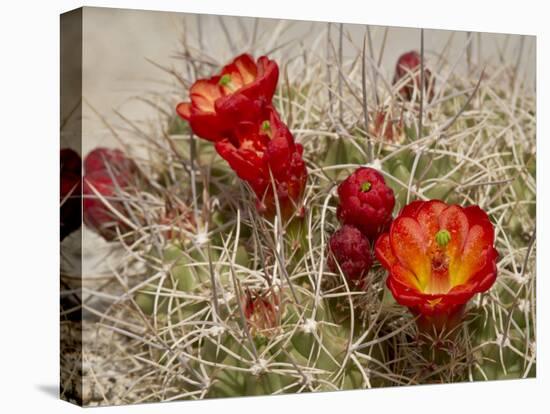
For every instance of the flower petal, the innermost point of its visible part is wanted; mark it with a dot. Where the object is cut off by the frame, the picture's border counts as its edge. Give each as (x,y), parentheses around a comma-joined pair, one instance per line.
(403,296)
(245,163)
(247,68)
(428,218)
(405,277)
(473,257)
(487,276)
(237,108)
(477,216)
(409,246)
(204,94)
(383,251)
(455,221)
(207,125)
(184,110)
(265,83)
(411,209)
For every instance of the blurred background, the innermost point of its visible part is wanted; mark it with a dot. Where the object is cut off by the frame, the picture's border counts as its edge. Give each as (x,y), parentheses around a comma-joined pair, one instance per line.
(120,47)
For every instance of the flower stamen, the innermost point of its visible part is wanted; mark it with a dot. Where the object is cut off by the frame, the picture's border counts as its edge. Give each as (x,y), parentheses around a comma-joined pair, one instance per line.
(366,186)
(265,128)
(225,81)
(443,237)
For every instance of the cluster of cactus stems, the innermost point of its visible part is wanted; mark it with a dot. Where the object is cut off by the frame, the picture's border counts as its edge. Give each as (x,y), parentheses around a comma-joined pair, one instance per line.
(217,297)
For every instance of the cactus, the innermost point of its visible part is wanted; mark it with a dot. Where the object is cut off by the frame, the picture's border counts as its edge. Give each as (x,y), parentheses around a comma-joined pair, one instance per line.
(228,302)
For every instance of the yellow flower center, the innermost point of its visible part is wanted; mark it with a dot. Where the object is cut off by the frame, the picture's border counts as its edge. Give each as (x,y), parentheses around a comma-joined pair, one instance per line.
(439,281)
(225,80)
(443,237)
(365,187)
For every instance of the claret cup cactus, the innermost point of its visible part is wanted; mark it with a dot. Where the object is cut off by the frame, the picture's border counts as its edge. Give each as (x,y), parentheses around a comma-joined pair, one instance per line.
(438,257)
(300,225)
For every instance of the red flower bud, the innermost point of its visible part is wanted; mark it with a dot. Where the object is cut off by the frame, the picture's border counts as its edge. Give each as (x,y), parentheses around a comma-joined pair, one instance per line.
(238,94)
(108,172)
(350,249)
(366,202)
(266,156)
(262,313)
(438,257)
(70,192)
(408,67)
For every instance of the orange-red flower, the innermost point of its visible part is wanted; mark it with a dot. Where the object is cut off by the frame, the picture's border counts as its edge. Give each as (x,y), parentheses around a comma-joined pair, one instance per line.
(238,93)
(234,110)
(265,155)
(438,256)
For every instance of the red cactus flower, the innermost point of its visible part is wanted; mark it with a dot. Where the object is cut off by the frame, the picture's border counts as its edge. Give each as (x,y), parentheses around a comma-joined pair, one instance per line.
(407,66)
(108,173)
(238,93)
(262,312)
(350,249)
(366,202)
(438,257)
(70,192)
(260,152)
